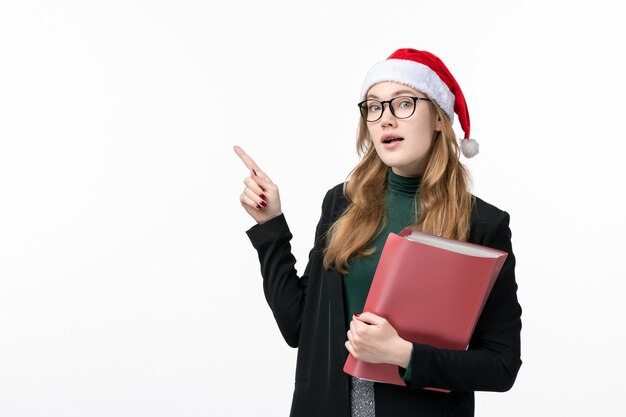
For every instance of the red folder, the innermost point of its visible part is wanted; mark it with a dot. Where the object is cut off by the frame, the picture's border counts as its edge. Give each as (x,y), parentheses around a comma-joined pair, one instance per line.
(432,291)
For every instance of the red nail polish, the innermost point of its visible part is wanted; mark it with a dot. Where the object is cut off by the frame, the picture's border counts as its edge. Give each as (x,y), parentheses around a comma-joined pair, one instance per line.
(263,196)
(259,207)
(263,203)
(357,314)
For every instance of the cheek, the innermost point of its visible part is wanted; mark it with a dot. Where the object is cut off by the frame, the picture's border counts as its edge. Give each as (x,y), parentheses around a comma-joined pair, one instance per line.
(423,135)
(377,147)
(371,131)
(372,134)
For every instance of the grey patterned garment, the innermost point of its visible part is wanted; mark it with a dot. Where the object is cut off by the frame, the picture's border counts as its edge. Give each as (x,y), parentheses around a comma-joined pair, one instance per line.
(362,398)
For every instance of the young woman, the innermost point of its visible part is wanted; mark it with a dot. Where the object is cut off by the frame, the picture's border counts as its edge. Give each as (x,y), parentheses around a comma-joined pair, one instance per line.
(410,174)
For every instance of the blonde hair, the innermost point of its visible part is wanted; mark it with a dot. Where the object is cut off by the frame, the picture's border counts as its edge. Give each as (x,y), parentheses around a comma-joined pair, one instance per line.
(444,203)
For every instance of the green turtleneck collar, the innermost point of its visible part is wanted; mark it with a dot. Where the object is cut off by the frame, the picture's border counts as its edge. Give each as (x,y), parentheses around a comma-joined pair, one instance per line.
(402,185)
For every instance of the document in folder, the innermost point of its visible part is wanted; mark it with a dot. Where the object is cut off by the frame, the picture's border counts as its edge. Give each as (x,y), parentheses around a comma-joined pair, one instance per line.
(432,291)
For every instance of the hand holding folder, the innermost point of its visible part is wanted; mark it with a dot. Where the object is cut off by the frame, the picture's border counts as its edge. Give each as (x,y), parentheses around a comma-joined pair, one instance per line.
(432,291)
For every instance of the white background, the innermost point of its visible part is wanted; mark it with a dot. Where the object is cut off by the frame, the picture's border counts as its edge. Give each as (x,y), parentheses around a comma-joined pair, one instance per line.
(127,284)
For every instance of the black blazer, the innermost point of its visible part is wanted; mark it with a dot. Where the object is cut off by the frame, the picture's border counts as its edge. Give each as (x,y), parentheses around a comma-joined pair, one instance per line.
(310,314)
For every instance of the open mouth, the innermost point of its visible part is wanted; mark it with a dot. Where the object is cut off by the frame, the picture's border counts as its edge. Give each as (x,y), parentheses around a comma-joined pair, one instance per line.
(392,139)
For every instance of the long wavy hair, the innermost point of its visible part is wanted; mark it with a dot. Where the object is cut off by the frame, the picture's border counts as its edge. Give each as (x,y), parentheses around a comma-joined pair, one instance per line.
(443,201)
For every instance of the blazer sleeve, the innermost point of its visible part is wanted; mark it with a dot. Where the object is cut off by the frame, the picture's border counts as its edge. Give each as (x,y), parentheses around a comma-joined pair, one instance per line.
(285,292)
(493,358)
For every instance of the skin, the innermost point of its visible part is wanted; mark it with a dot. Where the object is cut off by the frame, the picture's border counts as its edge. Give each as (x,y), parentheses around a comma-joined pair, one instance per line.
(410,157)
(371,338)
(260,198)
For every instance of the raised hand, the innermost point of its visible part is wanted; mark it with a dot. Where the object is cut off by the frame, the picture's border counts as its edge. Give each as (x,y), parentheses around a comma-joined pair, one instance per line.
(260,198)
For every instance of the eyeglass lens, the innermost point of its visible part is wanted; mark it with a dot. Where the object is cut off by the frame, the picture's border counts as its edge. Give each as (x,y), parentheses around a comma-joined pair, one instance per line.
(401,107)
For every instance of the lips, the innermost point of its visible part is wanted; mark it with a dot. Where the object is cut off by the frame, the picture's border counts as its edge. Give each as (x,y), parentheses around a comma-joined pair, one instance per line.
(386,139)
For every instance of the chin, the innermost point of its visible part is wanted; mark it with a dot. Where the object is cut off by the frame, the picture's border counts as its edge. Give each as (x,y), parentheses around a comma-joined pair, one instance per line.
(408,170)
(401,165)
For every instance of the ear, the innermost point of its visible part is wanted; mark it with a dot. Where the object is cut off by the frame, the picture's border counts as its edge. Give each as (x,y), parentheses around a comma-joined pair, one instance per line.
(438,124)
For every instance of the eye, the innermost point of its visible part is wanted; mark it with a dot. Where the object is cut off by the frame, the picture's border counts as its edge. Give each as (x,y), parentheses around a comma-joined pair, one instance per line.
(373,107)
(405,103)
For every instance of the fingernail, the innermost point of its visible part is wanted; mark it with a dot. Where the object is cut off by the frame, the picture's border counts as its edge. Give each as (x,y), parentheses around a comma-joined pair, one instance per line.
(263,203)
(263,196)
(254,172)
(259,207)
(357,314)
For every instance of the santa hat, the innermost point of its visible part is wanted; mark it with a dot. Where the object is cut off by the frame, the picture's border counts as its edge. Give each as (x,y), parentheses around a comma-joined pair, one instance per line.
(425,72)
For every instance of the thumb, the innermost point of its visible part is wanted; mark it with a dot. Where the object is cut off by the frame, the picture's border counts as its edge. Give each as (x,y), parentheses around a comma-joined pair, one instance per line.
(370,318)
(264,176)
(262,179)
(259,174)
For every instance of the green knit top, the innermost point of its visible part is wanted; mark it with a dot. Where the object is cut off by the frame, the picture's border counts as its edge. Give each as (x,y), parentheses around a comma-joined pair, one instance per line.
(400,202)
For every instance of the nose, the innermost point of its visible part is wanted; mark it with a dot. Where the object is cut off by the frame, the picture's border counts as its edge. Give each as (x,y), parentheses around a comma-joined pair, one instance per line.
(387,118)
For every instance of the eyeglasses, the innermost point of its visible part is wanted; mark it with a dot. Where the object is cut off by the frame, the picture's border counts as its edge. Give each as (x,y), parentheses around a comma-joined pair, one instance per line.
(401,107)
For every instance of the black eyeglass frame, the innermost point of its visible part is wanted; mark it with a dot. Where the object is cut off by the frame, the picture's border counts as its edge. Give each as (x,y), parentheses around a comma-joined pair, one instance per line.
(363,109)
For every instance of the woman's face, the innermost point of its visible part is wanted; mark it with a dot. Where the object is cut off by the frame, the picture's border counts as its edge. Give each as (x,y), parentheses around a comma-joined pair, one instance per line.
(407,153)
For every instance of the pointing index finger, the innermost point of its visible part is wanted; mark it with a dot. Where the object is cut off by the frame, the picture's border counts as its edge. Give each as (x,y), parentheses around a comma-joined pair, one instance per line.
(249,162)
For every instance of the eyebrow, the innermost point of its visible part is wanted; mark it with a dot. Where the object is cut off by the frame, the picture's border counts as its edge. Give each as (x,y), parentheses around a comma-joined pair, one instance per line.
(394,94)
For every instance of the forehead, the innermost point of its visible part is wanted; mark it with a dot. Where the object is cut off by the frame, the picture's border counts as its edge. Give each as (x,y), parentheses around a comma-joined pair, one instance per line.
(389,89)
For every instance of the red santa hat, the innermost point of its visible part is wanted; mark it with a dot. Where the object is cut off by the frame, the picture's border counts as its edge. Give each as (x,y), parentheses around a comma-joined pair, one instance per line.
(425,72)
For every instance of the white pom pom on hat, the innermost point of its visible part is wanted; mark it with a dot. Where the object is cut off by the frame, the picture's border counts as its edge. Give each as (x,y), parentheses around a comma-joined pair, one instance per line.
(469,148)
(425,72)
